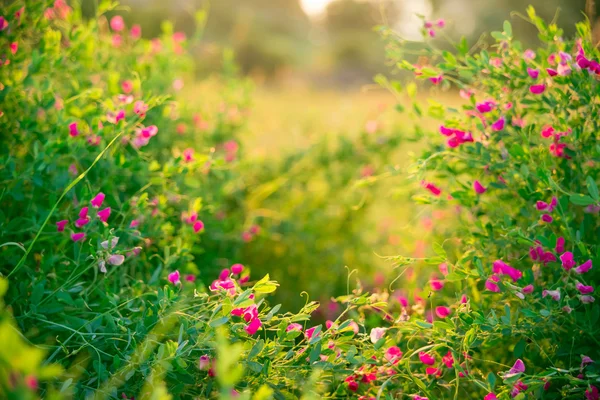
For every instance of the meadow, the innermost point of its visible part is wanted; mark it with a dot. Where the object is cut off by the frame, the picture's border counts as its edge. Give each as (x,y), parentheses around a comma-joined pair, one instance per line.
(429,236)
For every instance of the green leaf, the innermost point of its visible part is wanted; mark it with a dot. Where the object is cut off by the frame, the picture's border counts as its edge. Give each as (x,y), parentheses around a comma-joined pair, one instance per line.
(592,188)
(218,321)
(507,29)
(581,200)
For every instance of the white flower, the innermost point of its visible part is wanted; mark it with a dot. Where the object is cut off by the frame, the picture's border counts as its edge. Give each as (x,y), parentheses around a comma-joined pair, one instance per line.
(377,333)
(113,243)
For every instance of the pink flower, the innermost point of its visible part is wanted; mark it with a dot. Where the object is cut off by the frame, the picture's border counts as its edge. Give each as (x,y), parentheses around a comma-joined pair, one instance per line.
(440,23)
(73,169)
(464,299)
(528,55)
(567,260)
(104,214)
(517,368)
(224,274)
(431,33)
(433,371)
(485,106)
(73,129)
(393,354)
(190,278)
(547,218)
(127,86)
(587,299)
(60,225)
(442,311)
(527,289)
(478,187)
(555,294)
(204,362)
(82,222)
(592,393)
(76,237)
(97,200)
(83,212)
(136,32)
(490,284)
(432,188)
(499,124)
(533,72)
(500,267)
(117,24)
(490,396)
(448,359)
(31,382)
(551,71)
(436,284)
(537,89)
(583,289)
(310,332)
(560,245)
(140,108)
(294,327)
(547,131)
(14,46)
(188,155)
(352,384)
(134,223)
(174,277)
(116,259)
(198,226)
(237,269)
(436,80)
(253,326)
(376,334)
(583,268)
(443,267)
(585,360)
(117,40)
(426,359)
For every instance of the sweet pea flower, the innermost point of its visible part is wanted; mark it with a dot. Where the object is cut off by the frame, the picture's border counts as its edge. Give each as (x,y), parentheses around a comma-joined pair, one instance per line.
(117,24)
(426,359)
(204,362)
(136,32)
(537,89)
(237,269)
(490,396)
(448,359)
(499,124)
(352,384)
(527,289)
(104,214)
(188,155)
(14,46)
(376,334)
(528,55)
(517,368)
(117,40)
(478,187)
(253,326)
(310,332)
(583,289)
(431,187)
(198,226)
(294,327)
(393,354)
(174,278)
(433,371)
(587,299)
(116,259)
(491,285)
(555,294)
(592,393)
(436,80)
(134,223)
(73,131)
(567,260)
(500,267)
(224,274)
(440,23)
(583,268)
(436,284)
(127,86)
(464,299)
(60,225)
(97,200)
(486,106)
(140,108)
(3,23)
(442,311)
(585,360)
(533,73)
(560,245)
(76,237)
(547,218)
(81,222)
(113,243)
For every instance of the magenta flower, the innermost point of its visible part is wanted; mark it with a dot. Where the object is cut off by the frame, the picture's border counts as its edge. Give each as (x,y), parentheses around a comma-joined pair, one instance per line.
(104,214)
(253,326)
(527,289)
(198,226)
(537,89)
(499,124)
(547,218)
(547,131)
(97,201)
(76,237)
(478,187)
(440,23)
(310,332)
(567,260)
(551,71)
(592,393)
(73,169)
(464,299)
(490,396)
(485,106)
(83,212)
(431,187)
(82,222)
(555,294)
(174,278)
(491,284)
(560,245)
(60,225)
(190,278)
(294,327)
(14,46)
(224,274)
(436,80)
(583,289)
(136,32)
(237,269)
(585,267)
(426,359)
(3,23)
(533,72)
(73,131)
(436,284)
(140,108)
(517,368)
(585,360)
(188,155)
(204,362)
(502,268)
(442,311)
(117,24)
(393,354)
(134,223)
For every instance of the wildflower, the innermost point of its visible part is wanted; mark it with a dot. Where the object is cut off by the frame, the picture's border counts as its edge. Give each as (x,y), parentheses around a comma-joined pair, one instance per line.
(527,289)
(116,259)
(433,371)
(136,32)
(31,382)
(500,267)
(188,155)
(253,326)
(352,384)
(547,218)
(376,334)
(478,187)
(486,106)
(567,260)
(224,274)
(491,285)
(499,124)
(127,86)
(72,169)
(73,131)
(204,362)
(585,360)
(117,40)
(442,311)
(14,46)
(431,187)
(551,71)
(537,89)
(567,309)
(440,23)
(81,222)
(587,299)
(436,80)
(555,294)
(560,245)
(436,284)
(174,278)
(60,225)
(140,108)
(490,396)
(592,393)
(464,299)
(117,24)
(583,289)
(528,55)
(533,73)
(448,359)
(76,237)
(134,223)
(113,243)
(237,269)
(431,33)
(426,359)
(97,200)
(294,327)
(585,267)
(466,93)
(190,278)
(198,226)
(517,368)
(393,354)
(104,214)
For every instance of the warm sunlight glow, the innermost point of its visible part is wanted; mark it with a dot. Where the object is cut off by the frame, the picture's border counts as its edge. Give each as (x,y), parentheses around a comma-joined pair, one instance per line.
(314,7)
(409,25)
